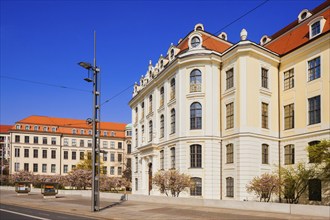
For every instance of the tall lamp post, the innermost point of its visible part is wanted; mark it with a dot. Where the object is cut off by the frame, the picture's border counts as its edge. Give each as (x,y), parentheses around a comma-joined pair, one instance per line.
(96,125)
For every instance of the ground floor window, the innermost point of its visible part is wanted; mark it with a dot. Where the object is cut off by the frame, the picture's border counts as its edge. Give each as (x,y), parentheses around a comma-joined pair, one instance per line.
(196,190)
(314,189)
(230,187)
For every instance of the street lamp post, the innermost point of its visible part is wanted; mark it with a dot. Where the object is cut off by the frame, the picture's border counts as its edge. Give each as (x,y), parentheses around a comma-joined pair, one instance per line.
(96,132)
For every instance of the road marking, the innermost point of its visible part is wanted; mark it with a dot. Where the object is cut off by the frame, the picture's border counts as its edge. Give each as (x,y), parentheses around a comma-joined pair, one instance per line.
(18,213)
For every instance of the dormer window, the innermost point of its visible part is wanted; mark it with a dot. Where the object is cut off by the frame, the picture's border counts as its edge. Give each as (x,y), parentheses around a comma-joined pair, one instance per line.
(53,129)
(265,39)
(36,128)
(105,133)
(45,128)
(195,41)
(18,127)
(74,131)
(316,26)
(27,127)
(303,15)
(172,54)
(199,27)
(223,36)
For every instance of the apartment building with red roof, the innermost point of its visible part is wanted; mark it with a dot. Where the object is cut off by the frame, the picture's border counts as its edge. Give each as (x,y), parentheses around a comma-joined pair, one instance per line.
(54,146)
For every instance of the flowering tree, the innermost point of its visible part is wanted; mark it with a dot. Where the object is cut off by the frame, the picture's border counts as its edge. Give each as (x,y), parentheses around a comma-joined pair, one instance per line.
(79,178)
(23,176)
(264,186)
(171,181)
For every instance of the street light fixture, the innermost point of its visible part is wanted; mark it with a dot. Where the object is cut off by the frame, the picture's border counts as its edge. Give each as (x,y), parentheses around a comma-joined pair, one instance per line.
(96,127)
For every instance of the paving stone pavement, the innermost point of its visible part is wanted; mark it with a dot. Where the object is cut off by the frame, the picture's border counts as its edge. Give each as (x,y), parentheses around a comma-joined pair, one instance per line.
(113,209)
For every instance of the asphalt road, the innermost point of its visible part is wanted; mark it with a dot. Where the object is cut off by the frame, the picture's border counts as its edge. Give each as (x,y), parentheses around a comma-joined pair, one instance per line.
(10,212)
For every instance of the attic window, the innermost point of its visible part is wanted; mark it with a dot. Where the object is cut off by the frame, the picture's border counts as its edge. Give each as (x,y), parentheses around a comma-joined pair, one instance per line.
(265,39)
(303,15)
(172,54)
(36,128)
(223,36)
(27,127)
(316,26)
(199,27)
(195,41)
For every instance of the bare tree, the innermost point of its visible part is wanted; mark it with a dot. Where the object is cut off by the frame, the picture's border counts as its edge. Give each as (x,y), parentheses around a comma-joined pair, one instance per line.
(264,186)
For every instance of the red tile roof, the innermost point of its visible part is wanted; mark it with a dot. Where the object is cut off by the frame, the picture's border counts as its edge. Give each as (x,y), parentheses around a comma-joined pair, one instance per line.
(297,34)
(5,128)
(65,125)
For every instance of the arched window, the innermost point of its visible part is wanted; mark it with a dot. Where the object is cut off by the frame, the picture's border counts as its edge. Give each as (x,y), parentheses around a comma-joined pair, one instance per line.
(289,154)
(161,156)
(150,103)
(196,116)
(136,114)
(150,131)
(230,187)
(161,97)
(196,189)
(172,121)
(173,158)
(313,159)
(162,126)
(195,156)
(195,81)
(142,110)
(172,94)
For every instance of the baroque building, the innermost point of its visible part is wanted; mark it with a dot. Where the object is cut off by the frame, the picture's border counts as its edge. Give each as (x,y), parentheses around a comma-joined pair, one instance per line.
(224,113)
(54,146)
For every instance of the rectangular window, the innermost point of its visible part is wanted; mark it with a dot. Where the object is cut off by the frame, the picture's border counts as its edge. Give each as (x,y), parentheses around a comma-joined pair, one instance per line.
(16,168)
(314,69)
(53,168)
(17,152)
(289,79)
(73,167)
(230,115)
(119,171)
(112,144)
(17,138)
(120,145)
(65,168)
(264,154)
(120,157)
(35,167)
(35,153)
(196,156)
(82,143)
(161,160)
(74,155)
(35,140)
(112,170)
(66,142)
(26,152)
(27,139)
(44,140)
(289,116)
(53,154)
(89,155)
(316,28)
(89,143)
(53,140)
(289,154)
(26,167)
(105,156)
(264,78)
(112,157)
(82,155)
(44,153)
(44,168)
(230,153)
(104,169)
(129,148)
(74,142)
(136,184)
(65,155)
(230,78)
(105,144)
(264,115)
(314,110)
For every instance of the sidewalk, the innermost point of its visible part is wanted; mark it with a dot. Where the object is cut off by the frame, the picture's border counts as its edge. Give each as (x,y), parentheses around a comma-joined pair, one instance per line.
(115,209)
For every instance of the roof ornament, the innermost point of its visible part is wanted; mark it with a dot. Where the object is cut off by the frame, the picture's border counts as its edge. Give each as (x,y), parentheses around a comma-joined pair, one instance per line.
(243,34)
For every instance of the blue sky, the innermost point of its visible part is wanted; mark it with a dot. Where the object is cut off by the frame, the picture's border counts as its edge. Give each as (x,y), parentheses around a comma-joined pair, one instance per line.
(42,42)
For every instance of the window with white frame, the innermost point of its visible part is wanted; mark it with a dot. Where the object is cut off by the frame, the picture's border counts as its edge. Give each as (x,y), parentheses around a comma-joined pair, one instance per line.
(289,116)
(230,153)
(289,154)
(264,115)
(230,78)
(289,79)
(229,187)
(230,115)
(161,104)
(161,126)
(112,144)
(264,153)
(314,69)
(196,189)
(196,81)
(150,130)
(173,121)
(314,110)
(195,156)
(173,158)
(172,93)
(195,116)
